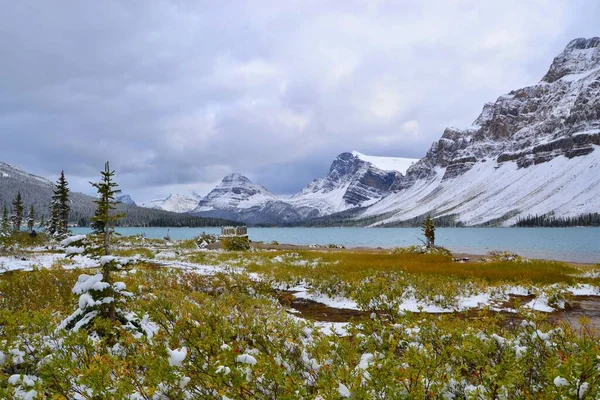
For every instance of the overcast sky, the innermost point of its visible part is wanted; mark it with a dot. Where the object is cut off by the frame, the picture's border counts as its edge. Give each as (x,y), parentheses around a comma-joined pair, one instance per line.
(176,94)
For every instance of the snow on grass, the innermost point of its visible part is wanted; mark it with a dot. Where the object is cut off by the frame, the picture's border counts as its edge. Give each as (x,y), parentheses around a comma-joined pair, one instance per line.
(344,391)
(42,260)
(177,356)
(246,359)
(540,304)
(72,239)
(337,302)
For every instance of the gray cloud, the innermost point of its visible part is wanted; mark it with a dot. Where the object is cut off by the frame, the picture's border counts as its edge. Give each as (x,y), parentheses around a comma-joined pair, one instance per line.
(178,93)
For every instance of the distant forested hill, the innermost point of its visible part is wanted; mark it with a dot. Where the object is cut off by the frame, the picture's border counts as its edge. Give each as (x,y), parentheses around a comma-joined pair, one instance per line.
(38,191)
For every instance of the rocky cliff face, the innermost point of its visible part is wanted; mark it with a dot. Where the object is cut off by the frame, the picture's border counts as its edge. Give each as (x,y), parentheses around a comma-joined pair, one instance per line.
(529,132)
(351,182)
(558,116)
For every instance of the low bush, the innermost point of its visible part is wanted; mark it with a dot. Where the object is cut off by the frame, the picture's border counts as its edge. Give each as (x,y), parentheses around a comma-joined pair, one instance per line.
(235,243)
(24,239)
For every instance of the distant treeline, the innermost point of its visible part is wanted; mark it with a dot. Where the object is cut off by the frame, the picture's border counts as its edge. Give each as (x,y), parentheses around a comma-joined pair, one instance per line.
(142,217)
(349,218)
(591,219)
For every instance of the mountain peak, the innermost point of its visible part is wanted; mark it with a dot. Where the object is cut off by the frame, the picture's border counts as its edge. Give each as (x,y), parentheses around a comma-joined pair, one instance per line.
(581,55)
(236,177)
(399,164)
(126,199)
(174,202)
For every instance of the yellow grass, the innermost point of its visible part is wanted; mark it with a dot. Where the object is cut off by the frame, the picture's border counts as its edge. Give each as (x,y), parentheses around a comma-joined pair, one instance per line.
(353,265)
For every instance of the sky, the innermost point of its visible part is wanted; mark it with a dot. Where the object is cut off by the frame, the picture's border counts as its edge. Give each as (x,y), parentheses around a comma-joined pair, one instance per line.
(176,94)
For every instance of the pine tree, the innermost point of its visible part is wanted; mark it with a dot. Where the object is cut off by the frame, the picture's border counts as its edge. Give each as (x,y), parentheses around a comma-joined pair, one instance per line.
(5,224)
(42,222)
(95,290)
(429,231)
(54,222)
(31,219)
(18,211)
(104,219)
(62,195)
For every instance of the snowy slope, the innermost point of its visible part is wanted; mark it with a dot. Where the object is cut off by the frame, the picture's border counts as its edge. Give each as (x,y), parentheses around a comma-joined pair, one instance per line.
(126,199)
(490,191)
(11,171)
(235,191)
(237,198)
(533,151)
(387,163)
(178,203)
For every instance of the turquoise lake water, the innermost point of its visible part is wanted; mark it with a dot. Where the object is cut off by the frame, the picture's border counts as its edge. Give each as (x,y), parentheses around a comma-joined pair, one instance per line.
(568,244)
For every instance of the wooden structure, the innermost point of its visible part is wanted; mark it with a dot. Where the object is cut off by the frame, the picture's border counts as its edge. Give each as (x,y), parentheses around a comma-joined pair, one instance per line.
(230,231)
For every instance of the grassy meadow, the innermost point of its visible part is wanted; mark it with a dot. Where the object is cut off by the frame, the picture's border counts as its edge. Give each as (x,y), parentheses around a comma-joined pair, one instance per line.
(217,327)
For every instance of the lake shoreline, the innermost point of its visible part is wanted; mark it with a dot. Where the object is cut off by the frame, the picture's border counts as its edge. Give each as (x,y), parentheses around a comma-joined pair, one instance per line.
(472,258)
(565,244)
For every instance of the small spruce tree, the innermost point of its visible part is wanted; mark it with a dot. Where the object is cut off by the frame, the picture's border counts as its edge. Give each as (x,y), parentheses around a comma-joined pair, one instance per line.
(54,221)
(62,194)
(101,299)
(58,225)
(5,223)
(31,219)
(429,231)
(18,211)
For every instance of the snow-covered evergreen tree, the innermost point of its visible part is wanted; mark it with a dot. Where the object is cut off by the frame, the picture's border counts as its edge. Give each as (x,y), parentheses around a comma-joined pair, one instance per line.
(5,223)
(31,219)
(18,210)
(62,194)
(58,225)
(54,221)
(100,297)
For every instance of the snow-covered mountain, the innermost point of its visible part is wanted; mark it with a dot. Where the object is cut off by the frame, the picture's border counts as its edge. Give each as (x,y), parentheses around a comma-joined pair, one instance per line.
(354,180)
(533,151)
(237,198)
(126,199)
(37,191)
(179,203)
(8,171)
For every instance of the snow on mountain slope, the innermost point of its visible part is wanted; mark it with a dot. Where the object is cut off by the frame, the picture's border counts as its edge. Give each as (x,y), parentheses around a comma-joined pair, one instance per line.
(352,182)
(533,151)
(11,171)
(387,163)
(235,191)
(126,199)
(503,191)
(178,203)
(237,198)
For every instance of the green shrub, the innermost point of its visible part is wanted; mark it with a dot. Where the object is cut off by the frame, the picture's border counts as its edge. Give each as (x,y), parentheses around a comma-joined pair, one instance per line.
(139,251)
(235,243)
(437,250)
(23,239)
(205,238)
